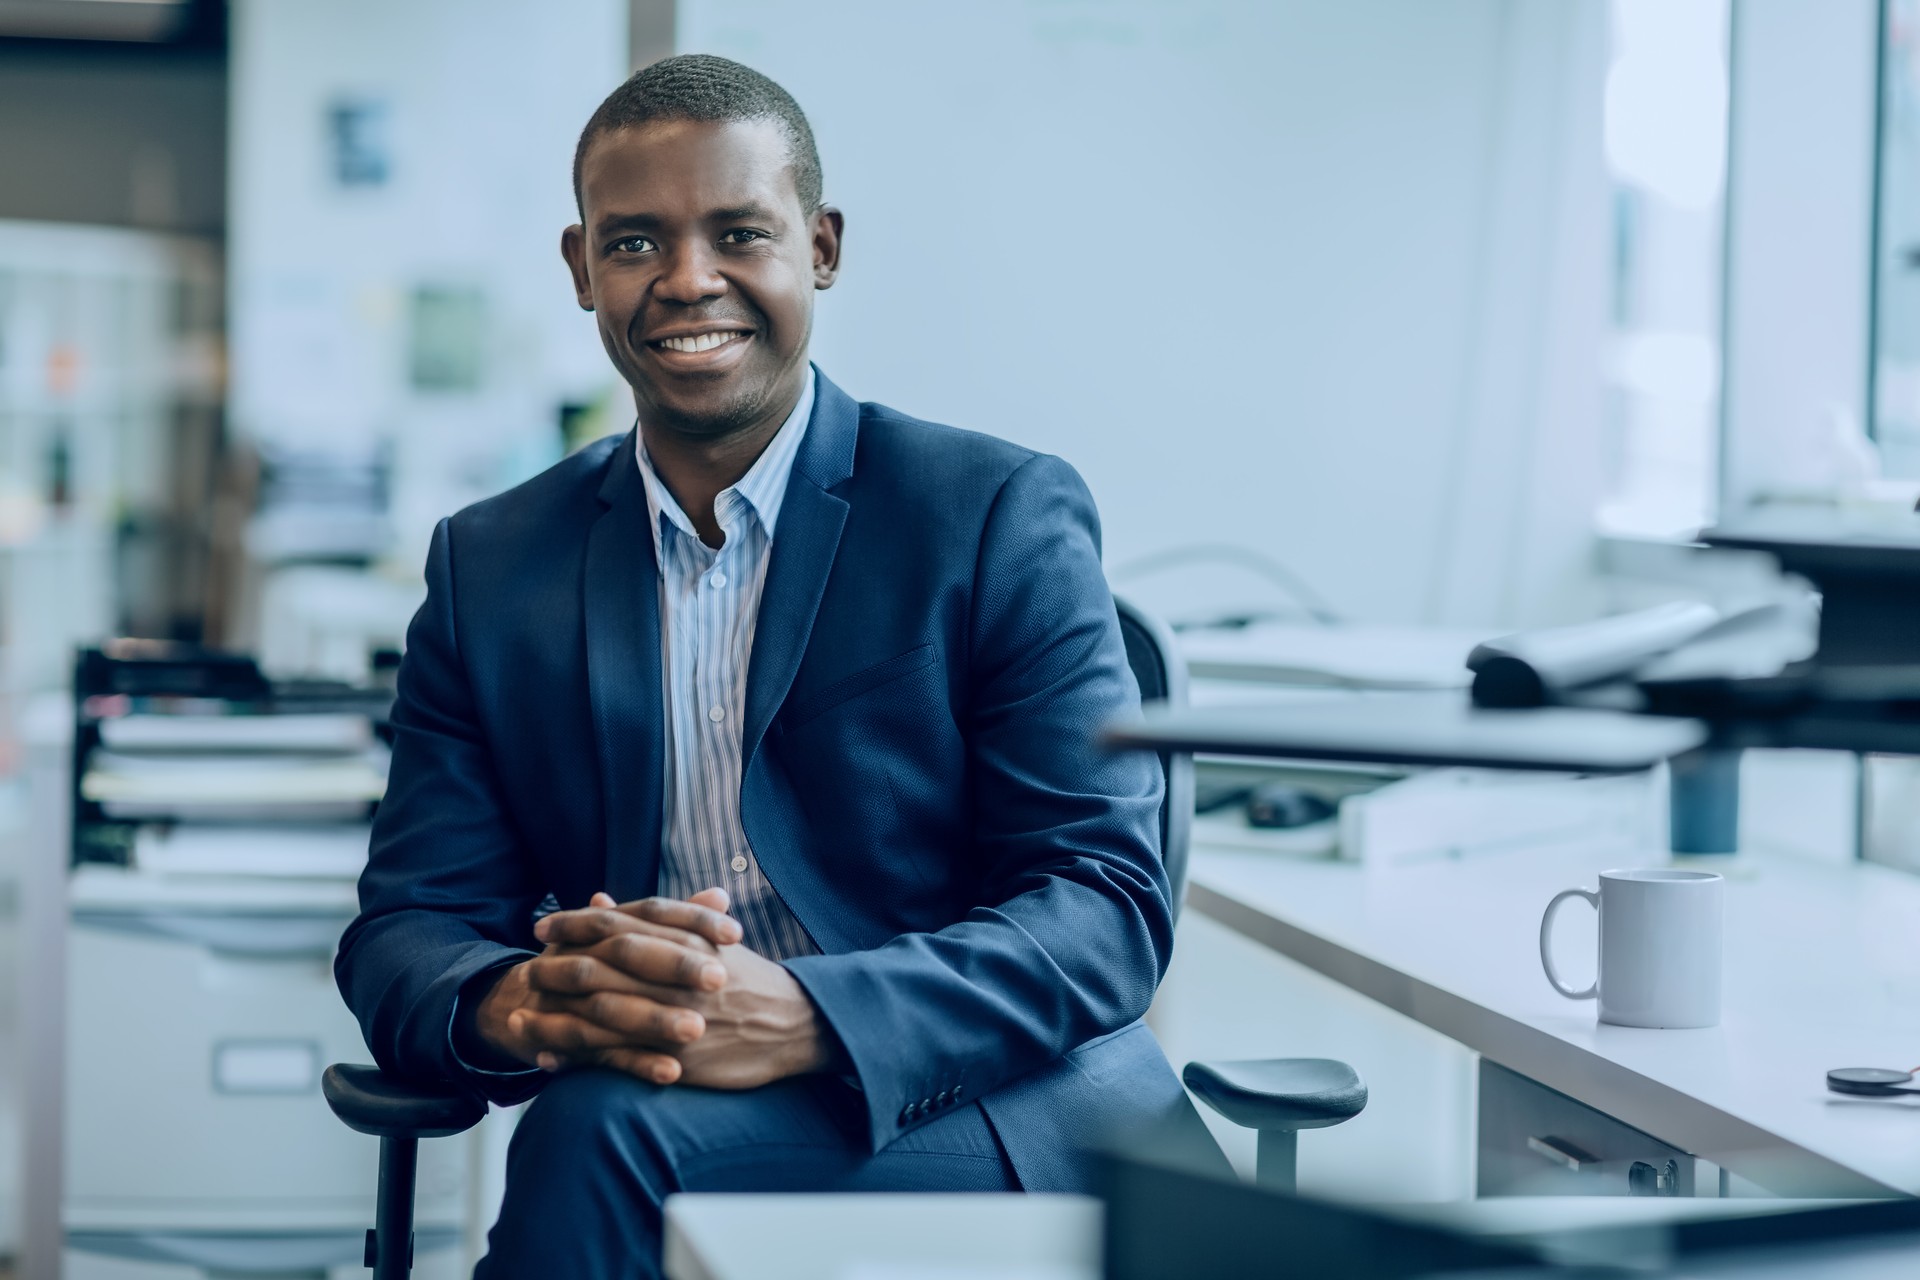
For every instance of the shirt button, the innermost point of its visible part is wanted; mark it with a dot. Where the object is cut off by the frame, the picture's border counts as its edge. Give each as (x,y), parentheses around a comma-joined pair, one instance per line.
(716,714)
(717,580)
(739,862)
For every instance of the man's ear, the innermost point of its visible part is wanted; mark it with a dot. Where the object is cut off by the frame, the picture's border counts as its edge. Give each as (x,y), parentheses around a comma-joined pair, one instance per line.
(573,247)
(828,226)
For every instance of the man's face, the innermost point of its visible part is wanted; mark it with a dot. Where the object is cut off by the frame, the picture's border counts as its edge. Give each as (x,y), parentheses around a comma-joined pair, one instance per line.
(700,264)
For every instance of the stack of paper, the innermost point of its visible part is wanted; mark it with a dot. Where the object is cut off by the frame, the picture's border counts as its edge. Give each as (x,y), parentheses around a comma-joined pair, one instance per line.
(324,851)
(328,734)
(240,794)
(1448,813)
(1342,657)
(233,785)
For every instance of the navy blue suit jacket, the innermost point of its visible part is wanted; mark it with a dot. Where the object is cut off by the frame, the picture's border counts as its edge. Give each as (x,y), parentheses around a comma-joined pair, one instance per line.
(936,646)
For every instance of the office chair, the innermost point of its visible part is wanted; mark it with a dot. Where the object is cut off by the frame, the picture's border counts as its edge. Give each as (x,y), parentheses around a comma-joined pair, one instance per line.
(1275,1097)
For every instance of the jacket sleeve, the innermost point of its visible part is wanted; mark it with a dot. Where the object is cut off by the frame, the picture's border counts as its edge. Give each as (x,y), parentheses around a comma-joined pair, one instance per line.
(1073,927)
(449,891)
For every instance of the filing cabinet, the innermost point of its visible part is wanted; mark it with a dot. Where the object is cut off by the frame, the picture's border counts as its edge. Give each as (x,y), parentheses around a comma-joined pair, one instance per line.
(1534,1141)
(442,1264)
(196,1036)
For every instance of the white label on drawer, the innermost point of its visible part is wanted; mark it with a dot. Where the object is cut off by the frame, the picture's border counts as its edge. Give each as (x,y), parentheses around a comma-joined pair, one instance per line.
(265,1066)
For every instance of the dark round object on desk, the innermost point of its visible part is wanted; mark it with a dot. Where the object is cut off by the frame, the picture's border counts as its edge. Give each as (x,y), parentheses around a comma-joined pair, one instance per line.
(1506,681)
(1280,805)
(1870,1082)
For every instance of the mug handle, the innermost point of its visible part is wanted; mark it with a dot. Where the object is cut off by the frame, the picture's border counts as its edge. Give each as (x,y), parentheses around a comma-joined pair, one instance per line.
(1546,928)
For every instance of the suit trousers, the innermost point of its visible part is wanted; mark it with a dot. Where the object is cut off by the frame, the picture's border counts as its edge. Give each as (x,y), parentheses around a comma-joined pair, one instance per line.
(597,1153)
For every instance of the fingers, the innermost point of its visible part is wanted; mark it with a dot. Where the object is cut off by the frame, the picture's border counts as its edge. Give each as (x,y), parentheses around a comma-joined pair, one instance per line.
(587,925)
(568,974)
(659,1068)
(577,973)
(568,1025)
(704,914)
(717,898)
(629,1019)
(622,961)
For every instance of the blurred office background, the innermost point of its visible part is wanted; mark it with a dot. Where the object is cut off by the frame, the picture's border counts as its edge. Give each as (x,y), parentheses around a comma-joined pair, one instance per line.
(1401,314)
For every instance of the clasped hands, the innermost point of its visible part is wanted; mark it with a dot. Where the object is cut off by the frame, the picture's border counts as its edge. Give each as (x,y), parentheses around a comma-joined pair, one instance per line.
(660,989)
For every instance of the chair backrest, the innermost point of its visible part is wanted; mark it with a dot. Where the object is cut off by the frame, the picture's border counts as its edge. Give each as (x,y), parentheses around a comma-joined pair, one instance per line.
(1161,674)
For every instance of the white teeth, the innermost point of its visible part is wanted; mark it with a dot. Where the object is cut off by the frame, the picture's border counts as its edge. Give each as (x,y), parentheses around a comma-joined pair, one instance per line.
(699,342)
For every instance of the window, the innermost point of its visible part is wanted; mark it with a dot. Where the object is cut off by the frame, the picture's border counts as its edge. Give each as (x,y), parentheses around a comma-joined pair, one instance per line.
(1666,148)
(1896,285)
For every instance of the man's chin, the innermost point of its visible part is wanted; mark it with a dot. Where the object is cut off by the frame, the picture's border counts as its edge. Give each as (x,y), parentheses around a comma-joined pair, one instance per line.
(709,409)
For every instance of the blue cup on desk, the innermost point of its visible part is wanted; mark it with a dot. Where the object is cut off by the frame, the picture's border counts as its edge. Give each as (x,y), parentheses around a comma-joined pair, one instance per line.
(1660,939)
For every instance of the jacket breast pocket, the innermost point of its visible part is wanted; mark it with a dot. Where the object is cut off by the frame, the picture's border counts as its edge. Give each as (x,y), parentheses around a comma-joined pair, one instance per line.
(850,687)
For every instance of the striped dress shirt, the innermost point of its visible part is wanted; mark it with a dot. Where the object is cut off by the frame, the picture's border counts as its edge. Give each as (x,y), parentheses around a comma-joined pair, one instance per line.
(709,607)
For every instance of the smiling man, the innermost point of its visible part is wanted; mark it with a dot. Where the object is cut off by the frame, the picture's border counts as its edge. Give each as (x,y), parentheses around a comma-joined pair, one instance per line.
(788,703)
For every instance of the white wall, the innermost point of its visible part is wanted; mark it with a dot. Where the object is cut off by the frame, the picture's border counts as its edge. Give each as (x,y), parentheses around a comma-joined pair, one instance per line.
(486,98)
(1320,278)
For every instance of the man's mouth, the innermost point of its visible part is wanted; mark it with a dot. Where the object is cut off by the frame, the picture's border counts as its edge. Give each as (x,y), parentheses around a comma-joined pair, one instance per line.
(694,343)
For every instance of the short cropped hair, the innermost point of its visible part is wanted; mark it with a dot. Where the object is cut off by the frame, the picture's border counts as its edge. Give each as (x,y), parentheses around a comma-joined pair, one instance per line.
(700,86)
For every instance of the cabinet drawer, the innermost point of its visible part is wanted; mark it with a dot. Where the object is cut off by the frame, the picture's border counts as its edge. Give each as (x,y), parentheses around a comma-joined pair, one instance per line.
(193,1096)
(1537,1142)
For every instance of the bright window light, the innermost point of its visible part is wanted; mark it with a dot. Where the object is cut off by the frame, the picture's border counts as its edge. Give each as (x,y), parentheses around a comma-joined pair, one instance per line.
(1666,112)
(1679,368)
(1666,146)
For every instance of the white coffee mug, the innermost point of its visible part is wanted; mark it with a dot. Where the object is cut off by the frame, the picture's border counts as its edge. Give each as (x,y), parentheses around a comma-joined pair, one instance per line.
(1659,948)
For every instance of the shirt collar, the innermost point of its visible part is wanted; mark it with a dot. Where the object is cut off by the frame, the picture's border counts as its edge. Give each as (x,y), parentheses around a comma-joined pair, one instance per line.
(762,490)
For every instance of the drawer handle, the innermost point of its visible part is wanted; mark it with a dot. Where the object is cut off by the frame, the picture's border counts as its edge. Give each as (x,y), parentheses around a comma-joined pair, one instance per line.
(1562,1152)
(265,1066)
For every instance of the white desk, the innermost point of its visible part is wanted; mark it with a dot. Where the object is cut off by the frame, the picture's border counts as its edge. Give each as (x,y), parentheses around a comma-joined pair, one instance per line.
(882,1237)
(1822,971)
(1056,1237)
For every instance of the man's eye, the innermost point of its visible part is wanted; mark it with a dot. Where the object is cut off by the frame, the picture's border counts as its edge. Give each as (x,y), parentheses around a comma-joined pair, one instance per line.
(742,235)
(632,244)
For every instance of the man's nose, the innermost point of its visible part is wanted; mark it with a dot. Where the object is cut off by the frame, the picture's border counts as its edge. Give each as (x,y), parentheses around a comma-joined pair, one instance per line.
(691,276)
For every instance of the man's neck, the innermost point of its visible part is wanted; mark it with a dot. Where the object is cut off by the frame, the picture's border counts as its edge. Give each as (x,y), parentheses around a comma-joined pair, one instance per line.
(696,469)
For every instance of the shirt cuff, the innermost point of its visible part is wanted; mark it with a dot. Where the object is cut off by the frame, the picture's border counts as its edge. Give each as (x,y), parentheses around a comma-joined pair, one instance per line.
(463,1033)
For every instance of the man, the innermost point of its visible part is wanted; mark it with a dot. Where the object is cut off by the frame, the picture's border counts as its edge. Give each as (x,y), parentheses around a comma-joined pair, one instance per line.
(788,702)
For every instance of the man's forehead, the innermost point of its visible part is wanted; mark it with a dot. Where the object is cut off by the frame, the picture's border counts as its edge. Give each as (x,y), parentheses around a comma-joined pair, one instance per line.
(687,167)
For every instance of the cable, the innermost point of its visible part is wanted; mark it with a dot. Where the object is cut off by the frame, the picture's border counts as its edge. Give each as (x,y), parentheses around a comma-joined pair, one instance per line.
(1309,601)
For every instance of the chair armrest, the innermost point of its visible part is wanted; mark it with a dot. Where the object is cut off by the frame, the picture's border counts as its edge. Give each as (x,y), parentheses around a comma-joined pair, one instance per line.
(374,1103)
(1279,1093)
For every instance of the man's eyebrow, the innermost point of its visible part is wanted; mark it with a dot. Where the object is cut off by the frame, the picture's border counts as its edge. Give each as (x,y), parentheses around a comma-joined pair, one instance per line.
(626,222)
(615,224)
(741,213)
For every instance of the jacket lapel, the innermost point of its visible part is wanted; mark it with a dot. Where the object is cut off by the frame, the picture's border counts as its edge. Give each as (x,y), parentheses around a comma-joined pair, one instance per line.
(623,677)
(804,545)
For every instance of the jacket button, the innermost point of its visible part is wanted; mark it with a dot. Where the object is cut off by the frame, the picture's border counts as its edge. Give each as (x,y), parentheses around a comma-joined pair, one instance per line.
(906,1114)
(940,1098)
(956,1093)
